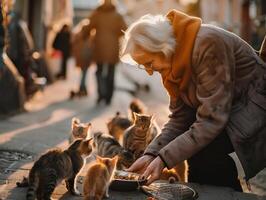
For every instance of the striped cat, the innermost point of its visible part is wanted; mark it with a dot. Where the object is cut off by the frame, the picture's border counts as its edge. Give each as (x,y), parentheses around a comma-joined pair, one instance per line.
(117,126)
(96,187)
(106,146)
(57,165)
(140,134)
(79,130)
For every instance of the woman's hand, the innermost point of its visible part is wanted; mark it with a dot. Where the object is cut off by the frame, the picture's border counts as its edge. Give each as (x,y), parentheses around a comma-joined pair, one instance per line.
(141,164)
(154,170)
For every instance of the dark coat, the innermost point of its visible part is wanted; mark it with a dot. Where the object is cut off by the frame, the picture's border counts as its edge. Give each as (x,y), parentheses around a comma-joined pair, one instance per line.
(62,42)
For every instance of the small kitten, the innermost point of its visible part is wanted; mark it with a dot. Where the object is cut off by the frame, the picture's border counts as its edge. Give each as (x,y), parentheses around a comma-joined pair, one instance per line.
(57,165)
(98,178)
(136,106)
(177,173)
(106,146)
(182,171)
(117,126)
(138,136)
(170,175)
(79,130)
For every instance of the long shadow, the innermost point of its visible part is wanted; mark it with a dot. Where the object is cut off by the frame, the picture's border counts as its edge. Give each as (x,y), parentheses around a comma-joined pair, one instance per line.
(45,112)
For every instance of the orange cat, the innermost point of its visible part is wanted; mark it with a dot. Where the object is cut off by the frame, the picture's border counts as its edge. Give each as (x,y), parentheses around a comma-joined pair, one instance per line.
(178,173)
(98,178)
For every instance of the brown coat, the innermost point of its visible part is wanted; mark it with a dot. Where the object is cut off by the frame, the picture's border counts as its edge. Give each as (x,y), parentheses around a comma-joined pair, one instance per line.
(223,69)
(81,43)
(108,24)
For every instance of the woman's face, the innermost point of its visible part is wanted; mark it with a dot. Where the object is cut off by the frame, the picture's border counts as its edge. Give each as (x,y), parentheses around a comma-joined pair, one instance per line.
(151,61)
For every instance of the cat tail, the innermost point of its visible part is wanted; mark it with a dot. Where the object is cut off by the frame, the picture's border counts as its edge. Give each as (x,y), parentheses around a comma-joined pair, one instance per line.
(33,185)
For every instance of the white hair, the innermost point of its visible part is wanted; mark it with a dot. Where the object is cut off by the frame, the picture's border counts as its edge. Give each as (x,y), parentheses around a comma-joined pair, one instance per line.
(152,33)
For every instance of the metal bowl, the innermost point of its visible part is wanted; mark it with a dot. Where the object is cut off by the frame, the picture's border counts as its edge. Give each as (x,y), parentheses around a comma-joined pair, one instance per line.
(121,181)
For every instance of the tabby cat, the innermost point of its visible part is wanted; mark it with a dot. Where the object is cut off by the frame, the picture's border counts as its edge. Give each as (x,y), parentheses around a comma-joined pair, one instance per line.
(140,134)
(106,146)
(57,165)
(79,130)
(96,187)
(117,125)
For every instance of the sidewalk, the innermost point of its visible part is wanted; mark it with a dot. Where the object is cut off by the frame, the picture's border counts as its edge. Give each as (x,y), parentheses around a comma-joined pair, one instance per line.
(47,125)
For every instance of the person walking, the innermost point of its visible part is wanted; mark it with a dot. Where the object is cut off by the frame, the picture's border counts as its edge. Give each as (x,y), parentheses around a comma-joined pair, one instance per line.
(82,50)
(217,85)
(62,43)
(107,24)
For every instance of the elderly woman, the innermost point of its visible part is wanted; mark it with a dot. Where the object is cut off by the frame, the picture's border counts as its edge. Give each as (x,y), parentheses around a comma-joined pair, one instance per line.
(210,75)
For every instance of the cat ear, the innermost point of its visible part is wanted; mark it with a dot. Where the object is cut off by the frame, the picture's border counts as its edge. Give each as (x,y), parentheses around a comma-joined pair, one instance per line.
(88,126)
(89,142)
(115,159)
(75,120)
(98,158)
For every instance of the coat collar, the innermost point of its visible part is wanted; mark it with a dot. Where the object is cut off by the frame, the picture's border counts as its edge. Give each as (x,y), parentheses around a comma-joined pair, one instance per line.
(176,79)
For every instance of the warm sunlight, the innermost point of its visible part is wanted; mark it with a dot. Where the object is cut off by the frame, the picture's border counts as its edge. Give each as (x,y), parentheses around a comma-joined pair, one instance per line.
(82,118)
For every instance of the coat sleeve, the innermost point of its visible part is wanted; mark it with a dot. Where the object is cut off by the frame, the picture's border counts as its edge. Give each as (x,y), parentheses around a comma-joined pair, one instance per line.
(214,85)
(180,119)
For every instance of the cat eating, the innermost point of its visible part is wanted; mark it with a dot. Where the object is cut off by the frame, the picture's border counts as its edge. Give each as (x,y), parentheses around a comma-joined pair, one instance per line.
(106,146)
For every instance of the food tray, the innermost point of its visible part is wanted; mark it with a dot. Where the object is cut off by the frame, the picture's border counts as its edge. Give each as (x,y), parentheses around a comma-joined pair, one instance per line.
(126,181)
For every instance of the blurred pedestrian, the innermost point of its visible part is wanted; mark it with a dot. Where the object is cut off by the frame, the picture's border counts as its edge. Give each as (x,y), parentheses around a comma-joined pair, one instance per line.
(19,51)
(82,51)
(108,25)
(217,86)
(12,91)
(62,43)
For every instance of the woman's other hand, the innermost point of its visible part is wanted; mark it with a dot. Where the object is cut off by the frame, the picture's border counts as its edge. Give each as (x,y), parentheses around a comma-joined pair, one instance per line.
(154,170)
(141,164)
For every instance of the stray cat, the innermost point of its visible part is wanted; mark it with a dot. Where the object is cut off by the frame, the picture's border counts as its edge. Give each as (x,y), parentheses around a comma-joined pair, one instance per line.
(57,165)
(170,175)
(136,106)
(98,178)
(140,134)
(117,126)
(177,173)
(79,130)
(106,146)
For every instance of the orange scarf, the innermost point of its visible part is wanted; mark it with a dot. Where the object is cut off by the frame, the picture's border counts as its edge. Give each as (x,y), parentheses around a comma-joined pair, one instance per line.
(176,79)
